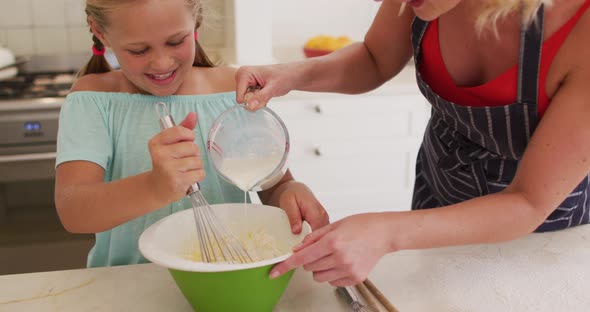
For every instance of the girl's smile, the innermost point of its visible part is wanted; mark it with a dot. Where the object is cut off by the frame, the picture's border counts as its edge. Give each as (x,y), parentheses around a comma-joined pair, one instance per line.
(162,79)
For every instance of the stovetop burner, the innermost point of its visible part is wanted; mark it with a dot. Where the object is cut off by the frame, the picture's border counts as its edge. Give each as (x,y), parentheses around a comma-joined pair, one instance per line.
(37,85)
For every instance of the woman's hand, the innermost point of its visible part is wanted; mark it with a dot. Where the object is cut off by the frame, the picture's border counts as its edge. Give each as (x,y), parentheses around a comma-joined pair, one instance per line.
(273,81)
(176,160)
(300,205)
(342,253)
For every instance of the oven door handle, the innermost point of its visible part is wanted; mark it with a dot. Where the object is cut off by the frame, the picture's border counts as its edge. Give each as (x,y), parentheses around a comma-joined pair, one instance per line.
(27,157)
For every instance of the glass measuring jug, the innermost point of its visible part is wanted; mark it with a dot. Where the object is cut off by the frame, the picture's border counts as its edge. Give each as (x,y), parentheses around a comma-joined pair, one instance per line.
(249,149)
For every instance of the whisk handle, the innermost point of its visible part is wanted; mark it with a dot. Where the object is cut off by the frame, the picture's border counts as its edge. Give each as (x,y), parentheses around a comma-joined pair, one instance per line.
(353,303)
(166,121)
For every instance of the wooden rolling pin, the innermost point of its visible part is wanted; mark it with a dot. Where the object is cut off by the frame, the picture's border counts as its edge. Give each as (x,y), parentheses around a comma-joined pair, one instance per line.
(370,299)
(375,292)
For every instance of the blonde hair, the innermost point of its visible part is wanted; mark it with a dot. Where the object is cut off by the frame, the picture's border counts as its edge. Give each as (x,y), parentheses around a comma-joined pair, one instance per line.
(494,10)
(98,10)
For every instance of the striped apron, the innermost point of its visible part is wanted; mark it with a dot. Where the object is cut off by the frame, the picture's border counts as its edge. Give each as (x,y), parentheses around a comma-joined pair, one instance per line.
(472,151)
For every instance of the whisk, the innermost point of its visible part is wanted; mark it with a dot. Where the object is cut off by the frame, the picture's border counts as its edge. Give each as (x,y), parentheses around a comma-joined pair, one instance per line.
(216,242)
(352,299)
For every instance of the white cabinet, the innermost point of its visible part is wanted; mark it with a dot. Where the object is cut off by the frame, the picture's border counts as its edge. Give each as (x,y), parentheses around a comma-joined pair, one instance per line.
(357,153)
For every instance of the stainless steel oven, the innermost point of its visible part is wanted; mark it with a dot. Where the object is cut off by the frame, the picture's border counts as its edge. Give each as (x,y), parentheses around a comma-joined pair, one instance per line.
(31,236)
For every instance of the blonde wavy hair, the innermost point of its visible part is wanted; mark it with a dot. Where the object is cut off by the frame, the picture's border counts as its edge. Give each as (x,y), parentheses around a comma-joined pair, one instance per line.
(494,10)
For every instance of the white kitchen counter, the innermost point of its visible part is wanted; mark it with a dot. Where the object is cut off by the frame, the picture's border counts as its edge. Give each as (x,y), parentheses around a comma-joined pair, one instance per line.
(541,272)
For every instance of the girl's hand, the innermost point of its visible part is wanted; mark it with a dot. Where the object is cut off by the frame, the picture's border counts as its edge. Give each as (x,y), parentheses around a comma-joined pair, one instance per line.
(176,160)
(300,205)
(342,253)
(273,81)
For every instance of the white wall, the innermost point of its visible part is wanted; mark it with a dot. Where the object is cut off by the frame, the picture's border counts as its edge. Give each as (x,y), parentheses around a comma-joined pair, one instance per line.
(32,27)
(294,22)
(59,26)
(43,26)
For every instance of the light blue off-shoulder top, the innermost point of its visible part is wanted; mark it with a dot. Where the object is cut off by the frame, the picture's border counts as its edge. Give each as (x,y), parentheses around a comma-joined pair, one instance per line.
(112,130)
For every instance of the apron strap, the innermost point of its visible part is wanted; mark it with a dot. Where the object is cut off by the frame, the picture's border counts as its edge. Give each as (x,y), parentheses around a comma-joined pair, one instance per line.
(418,30)
(531,42)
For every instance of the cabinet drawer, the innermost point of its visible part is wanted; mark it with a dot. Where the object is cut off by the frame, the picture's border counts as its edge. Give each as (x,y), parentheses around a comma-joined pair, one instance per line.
(344,204)
(322,177)
(367,116)
(352,127)
(380,173)
(347,104)
(355,148)
(356,153)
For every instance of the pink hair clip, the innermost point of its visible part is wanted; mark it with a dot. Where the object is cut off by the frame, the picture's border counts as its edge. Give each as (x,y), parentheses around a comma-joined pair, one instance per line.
(196,35)
(98,52)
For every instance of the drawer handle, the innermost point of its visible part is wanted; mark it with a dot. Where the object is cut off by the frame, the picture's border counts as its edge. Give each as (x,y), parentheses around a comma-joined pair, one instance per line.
(27,157)
(317,109)
(317,151)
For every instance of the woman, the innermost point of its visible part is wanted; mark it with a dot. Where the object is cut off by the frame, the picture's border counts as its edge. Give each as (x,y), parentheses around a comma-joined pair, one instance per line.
(507,148)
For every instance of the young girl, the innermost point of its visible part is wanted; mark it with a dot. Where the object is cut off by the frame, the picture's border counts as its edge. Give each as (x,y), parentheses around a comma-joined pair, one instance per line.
(116,172)
(507,148)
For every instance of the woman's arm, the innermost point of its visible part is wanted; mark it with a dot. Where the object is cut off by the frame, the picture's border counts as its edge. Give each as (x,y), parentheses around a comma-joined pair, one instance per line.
(363,66)
(354,69)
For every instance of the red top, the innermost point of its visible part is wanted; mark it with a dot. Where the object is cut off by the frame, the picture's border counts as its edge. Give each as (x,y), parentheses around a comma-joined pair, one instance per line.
(501,90)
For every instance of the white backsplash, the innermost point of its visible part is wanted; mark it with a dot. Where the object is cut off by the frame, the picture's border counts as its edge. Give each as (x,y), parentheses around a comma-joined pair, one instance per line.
(43,26)
(30,27)
(37,27)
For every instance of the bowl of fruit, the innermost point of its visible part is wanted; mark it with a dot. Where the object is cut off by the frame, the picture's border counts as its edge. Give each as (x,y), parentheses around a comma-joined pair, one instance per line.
(322,45)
